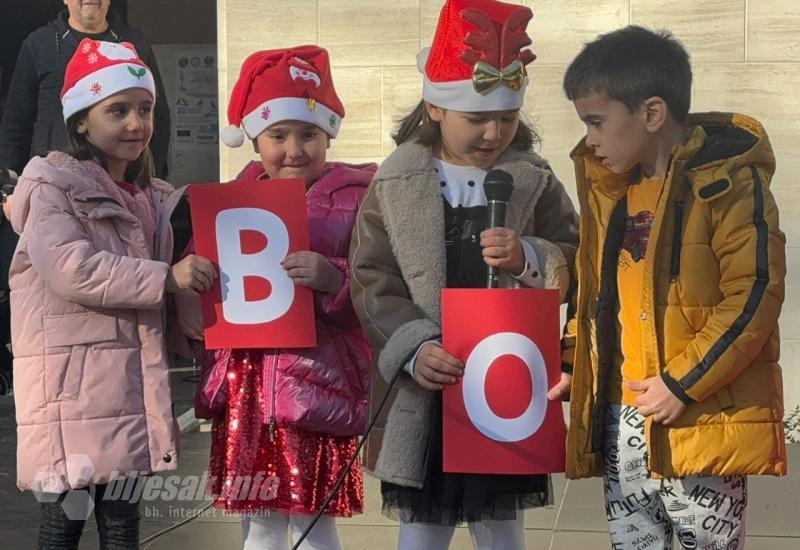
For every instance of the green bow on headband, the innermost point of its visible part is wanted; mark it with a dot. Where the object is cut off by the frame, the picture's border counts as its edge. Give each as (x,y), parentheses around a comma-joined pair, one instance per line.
(486,78)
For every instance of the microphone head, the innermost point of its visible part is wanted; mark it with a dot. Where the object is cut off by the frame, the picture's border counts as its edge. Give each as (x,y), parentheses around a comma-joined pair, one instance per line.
(498,185)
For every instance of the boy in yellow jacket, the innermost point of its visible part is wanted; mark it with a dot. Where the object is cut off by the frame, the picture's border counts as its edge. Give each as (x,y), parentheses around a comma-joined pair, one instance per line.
(676,391)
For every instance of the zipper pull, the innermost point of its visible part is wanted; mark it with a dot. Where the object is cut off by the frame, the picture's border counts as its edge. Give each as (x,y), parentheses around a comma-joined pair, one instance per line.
(271,427)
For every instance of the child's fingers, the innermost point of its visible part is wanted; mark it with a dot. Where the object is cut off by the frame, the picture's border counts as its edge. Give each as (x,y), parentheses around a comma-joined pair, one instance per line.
(303,281)
(300,272)
(447,358)
(202,279)
(503,232)
(496,262)
(496,252)
(301,275)
(560,390)
(647,410)
(197,286)
(637,385)
(434,376)
(203,284)
(664,418)
(443,369)
(495,241)
(670,419)
(296,259)
(555,394)
(440,372)
(421,379)
(205,264)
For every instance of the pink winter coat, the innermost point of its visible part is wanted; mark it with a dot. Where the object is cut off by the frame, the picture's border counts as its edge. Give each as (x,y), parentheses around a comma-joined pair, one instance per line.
(323,389)
(88,329)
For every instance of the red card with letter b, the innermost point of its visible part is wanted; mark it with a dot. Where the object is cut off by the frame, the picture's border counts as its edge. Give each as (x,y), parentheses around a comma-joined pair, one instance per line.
(497,418)
(246,228)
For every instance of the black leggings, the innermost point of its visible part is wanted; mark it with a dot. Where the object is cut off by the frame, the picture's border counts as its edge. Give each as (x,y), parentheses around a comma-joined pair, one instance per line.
(63,517)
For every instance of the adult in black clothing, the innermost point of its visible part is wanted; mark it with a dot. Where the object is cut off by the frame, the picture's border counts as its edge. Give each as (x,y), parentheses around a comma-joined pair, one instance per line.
(8,240)
(32,122)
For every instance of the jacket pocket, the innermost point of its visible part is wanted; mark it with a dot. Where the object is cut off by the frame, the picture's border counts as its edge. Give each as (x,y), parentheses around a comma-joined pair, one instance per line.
(725,398)
(67,339)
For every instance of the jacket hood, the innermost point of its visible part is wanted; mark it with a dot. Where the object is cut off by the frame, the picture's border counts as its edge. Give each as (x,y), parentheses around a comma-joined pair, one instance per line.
(78,179)
(716,145)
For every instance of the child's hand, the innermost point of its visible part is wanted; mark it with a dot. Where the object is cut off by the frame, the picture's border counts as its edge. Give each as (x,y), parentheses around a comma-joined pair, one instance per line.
(502,248)
(657,400)
(561,390)
(193,272)
(314,271)
(435,367)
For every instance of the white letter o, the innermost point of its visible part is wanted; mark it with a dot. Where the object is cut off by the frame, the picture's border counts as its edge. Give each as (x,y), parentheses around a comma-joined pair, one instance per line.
(474,387)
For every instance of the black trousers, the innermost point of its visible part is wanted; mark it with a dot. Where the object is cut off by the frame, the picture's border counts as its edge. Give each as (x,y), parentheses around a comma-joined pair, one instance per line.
(63,517)
(6,361)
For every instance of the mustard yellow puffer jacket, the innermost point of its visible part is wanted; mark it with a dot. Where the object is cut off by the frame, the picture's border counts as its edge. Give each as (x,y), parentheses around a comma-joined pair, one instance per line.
(711,297)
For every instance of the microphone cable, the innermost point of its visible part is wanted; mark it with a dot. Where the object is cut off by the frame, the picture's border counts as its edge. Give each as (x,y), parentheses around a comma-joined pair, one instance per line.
(349,466)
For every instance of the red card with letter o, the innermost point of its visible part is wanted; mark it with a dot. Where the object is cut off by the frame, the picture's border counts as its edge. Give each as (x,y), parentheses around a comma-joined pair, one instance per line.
(246,228)
(497,418)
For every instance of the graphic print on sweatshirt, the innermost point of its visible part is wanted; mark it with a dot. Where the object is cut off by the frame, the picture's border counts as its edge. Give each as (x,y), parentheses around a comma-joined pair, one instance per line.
(637,236)
(465,217)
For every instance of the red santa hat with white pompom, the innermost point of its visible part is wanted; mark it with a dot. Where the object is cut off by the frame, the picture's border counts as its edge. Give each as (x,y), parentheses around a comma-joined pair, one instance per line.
(477,59)
(280,85)
(99,70)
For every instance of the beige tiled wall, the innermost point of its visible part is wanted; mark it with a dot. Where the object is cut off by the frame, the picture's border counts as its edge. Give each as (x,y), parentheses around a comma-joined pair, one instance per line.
(746,57)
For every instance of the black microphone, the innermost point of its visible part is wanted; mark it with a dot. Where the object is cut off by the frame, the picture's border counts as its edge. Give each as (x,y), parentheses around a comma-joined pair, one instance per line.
(497,185)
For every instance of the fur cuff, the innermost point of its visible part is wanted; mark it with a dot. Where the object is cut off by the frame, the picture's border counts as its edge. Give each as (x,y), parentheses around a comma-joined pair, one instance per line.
(404,343)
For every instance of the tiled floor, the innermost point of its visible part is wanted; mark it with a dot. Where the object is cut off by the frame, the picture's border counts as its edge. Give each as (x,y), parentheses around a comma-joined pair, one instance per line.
(575,521)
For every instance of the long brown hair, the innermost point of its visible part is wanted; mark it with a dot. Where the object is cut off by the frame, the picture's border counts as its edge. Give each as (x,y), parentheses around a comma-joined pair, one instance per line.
(419,126)
(140,171)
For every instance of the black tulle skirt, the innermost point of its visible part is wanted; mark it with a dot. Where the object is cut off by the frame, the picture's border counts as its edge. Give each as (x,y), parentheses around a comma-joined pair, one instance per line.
(451,499)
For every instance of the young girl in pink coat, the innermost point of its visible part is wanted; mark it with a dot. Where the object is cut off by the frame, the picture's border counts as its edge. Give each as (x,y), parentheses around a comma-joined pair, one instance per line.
(292,416)
(89,282)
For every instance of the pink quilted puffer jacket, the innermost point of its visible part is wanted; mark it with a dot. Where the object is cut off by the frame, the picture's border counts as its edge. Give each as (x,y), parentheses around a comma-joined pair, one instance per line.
(88,315)
(323,389)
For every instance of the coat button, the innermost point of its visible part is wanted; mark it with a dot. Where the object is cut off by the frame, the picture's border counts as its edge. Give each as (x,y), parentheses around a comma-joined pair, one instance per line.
(167,458)
(643,316)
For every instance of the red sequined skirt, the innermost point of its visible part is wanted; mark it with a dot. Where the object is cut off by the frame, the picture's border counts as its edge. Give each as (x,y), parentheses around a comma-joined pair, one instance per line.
(284,469)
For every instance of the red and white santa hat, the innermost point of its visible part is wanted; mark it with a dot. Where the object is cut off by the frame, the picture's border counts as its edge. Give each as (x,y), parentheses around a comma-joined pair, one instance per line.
(99,70)
(279,85)
(476,61)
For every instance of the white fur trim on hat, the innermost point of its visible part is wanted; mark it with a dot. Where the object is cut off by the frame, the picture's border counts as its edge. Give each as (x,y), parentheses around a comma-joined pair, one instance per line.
(291,108)
(105,82)
(422,59)
(460,95)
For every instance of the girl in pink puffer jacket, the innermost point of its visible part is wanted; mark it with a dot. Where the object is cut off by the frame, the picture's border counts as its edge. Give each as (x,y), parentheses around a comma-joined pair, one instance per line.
(89,281)
(291,419)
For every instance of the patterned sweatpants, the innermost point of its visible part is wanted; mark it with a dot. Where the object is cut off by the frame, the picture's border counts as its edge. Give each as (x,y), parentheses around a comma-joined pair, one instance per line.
(701,512)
